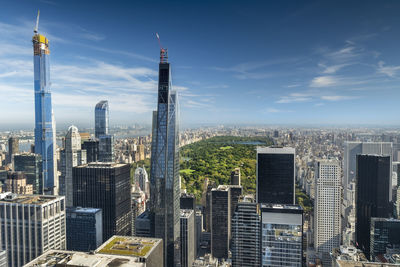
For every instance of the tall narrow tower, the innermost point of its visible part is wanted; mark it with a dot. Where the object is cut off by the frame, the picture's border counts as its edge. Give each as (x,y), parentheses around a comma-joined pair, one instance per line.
(164,172)
(44,120)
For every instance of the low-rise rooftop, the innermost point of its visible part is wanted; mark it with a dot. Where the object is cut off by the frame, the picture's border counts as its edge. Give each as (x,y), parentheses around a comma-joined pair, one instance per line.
(186,213)
(9,197)
(129,246)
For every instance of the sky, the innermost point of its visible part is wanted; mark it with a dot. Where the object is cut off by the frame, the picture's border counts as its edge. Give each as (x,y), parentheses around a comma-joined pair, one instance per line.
(233,62)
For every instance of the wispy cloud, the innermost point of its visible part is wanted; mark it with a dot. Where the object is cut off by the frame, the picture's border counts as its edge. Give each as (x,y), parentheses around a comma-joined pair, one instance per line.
(337,97)
(294,97)
(332,69)
(275,110)
(390,71)
(324,81)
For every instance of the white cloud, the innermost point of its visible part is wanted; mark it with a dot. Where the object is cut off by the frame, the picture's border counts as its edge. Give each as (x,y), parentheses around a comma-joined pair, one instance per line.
(324,81)
(390,71)
(274,110)
(332,69)
(337,97)
(294,97)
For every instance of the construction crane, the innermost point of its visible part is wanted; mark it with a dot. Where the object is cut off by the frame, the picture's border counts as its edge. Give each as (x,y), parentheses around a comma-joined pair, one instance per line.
(37,22)
(163,51)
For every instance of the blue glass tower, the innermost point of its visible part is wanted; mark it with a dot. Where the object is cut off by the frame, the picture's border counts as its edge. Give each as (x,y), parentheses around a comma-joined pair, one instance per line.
(44,120)
(164,171)
(101,119)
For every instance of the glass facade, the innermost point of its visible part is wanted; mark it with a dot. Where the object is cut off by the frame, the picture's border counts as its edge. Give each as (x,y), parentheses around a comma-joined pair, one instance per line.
(275,175)
(92,150)
(101,118)
(384,232)
(105,186)
(31,165)
(281,236)
(44,121)
(372,195)
(106,148)
(164,172)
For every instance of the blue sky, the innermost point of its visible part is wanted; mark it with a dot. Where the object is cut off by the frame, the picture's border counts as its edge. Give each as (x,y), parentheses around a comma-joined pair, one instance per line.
(247,62)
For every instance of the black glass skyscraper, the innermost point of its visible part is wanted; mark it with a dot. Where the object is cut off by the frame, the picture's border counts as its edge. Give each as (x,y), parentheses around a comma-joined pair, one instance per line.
(164,171)
(105,186)
(31,165)
(101,118)
(372,195)
(275,175)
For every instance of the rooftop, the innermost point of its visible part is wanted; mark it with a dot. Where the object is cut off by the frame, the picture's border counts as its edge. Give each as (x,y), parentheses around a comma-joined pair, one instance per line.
(275,150)
(54,258)
(281,206)
(9,197)
(186,213)
(83,210)
(129,246)
(101,165)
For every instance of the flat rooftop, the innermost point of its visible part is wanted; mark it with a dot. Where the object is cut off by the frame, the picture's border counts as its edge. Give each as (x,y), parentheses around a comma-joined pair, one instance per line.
(186,213)
(82,210)
(275,150)
(281,206)
(9,197)
(54,258)
(129,246)
(101,165)
(221,188)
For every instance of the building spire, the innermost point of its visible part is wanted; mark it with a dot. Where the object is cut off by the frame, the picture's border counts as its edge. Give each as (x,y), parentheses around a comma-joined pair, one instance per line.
(37,23)
(163,51)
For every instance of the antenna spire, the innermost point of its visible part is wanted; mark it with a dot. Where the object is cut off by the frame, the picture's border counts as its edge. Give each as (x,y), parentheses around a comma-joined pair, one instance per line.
(37,22)
(163,51)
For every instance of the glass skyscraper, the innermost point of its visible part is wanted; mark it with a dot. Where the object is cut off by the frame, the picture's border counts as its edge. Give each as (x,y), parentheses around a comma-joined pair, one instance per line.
(164,172)
(44,119)
(31,165)
(101,118)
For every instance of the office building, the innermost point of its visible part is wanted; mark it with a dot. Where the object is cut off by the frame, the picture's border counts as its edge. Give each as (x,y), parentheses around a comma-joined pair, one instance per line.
(16,183)
(246,235)
(45,128)
(236,192)
(352,149)
(30,225)
(106,148)
(3,258)
(372,195)
(187,202)
(164,170)
(142,180)
(198,229)
(276,175)
(105,186)
(118,251)
(144,224)
(138,203)
(327,230)
(92,150)
(384,232)
(281,235)
(101,119)
(188,240)
(31,165)
(235,177)
(84,228)
(13,148)
(71,156)
(220,221)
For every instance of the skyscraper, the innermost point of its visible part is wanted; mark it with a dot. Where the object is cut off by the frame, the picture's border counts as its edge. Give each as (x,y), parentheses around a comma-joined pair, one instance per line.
(384,232)
(71,156)
(106,148)
(372,195)
(327,209)
(45,129)
(188,239)
(246,235)
(101,119)
(142,180)
(164,171)
(92,150)
(276,175)
(235,176)
(31,165)
(106,186)
(13,148)
(281,235)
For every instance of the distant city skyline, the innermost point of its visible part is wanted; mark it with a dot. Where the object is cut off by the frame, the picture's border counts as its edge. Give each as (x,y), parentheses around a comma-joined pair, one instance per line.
(276,63)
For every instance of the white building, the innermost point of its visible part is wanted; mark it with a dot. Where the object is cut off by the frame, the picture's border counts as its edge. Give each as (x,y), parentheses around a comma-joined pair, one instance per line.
(327,208)
(30,225)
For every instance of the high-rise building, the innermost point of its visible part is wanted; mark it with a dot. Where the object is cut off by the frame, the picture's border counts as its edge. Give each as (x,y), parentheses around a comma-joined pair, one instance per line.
(16,183)
(92,150)
(3,258)
(327,207)
(235,177)
(138,203)
(164,171)
(384,232)
(281,235)
(246,235)
(372,195)
(106,148)
(45,128)
(142,180)
(187,202)
(220,221)
(30,225)
(31,165)
(236,192)
(144,224)
(13,148)
(84,228)
(188,245)
(276,175)
(71,156)
(105,186)
(352,149)
(101,119)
